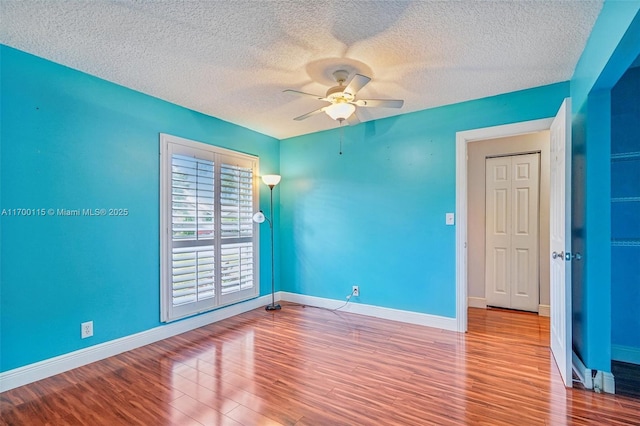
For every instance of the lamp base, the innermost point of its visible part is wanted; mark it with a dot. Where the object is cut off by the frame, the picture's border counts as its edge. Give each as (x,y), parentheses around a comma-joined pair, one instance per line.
(273,307)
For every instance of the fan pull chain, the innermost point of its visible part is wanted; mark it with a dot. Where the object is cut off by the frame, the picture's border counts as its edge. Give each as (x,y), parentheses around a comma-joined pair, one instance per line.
(341,135)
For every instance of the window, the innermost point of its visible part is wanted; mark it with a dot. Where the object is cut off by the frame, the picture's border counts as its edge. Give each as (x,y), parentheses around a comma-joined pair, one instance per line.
(208,244)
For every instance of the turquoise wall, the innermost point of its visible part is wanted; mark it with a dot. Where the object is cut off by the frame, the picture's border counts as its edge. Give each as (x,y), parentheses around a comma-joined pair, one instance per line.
(375,216)
(73,141)
(372,217)
(612,46)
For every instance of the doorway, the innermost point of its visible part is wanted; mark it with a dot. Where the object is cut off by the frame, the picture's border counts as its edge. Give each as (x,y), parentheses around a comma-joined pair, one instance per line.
(478,284)
(560,284)
(464,140)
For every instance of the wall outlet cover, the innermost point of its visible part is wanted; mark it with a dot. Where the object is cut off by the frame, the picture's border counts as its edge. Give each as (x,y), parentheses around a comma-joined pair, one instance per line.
(86,329)
(449,218)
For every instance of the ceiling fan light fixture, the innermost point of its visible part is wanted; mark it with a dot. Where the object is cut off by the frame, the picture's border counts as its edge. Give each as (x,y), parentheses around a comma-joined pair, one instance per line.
(342,99)
(340,110)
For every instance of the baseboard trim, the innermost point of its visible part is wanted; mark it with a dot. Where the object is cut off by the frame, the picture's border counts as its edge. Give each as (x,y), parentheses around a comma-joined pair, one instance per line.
(544,310)
(609,382)
(603,381)
(625,354)
(427,320)
(583,373)
(477,302)
(49,367)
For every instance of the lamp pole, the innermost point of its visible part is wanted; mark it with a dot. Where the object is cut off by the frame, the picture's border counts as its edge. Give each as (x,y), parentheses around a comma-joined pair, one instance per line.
(272,306)
(271,181)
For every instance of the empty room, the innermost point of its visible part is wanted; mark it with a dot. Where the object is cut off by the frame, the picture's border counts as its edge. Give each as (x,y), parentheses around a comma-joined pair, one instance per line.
(319,213)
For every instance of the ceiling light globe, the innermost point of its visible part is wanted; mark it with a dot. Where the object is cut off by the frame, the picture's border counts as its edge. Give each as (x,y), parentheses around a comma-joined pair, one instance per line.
(340,111)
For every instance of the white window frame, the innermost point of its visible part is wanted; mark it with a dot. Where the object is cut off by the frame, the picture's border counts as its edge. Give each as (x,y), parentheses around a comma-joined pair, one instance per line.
(170,145)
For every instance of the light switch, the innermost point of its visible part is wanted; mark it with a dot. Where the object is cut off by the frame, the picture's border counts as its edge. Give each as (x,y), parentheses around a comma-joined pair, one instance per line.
(449,219)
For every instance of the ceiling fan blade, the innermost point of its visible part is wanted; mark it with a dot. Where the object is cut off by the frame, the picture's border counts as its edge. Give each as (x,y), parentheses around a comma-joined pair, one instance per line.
(297,92)
(309,114)
(384,103)
(357,82)
(353,120)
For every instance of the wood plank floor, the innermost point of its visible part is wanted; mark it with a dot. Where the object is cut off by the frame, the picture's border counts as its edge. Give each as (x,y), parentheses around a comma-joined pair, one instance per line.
(308,366)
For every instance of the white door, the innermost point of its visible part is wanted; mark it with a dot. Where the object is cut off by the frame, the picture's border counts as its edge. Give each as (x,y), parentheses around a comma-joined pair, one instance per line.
(511,232)
(560,241)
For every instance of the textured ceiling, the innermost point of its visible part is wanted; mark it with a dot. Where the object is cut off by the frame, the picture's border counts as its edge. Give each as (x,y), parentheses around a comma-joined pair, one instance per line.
(233,59)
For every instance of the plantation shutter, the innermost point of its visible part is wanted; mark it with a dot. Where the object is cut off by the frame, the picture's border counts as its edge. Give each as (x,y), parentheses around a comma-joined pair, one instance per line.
(192,231)
(208,244)
(236,210)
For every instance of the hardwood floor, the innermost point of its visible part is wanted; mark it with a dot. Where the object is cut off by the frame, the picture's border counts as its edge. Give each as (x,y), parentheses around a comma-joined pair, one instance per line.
(308,366)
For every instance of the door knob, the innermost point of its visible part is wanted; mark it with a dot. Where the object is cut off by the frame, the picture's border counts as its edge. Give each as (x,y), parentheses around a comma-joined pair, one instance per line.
(556,255)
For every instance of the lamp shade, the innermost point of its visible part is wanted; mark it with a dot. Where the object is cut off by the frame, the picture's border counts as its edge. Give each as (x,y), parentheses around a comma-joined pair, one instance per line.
(340,111)
(259,217)
(271,180)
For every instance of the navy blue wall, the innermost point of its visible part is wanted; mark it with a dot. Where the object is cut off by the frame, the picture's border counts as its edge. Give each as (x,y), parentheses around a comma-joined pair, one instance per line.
(625,217)
(612,47)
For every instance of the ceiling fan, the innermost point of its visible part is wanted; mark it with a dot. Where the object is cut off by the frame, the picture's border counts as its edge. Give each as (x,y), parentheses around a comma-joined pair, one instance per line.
(343,100)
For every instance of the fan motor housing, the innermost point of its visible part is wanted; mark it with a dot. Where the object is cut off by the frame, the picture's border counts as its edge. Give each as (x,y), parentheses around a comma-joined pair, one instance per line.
(336,94)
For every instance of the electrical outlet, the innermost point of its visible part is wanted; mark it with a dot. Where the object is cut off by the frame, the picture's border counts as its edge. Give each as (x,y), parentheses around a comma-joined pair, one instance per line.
(86,329)
(355,290)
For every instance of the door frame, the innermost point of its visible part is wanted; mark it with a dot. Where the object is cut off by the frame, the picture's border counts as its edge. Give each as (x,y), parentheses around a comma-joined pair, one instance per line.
(462,140)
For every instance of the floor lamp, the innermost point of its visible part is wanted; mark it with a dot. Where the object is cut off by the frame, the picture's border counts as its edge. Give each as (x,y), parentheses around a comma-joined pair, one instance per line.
(270,181)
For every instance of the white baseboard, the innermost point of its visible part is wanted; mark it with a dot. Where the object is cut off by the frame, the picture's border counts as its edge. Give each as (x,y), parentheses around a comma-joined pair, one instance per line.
(477,302)
(583,373)
(481,302)
(602,382)
(434,321)
(625,354)
(544,310)
(49,367)
(609,382)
